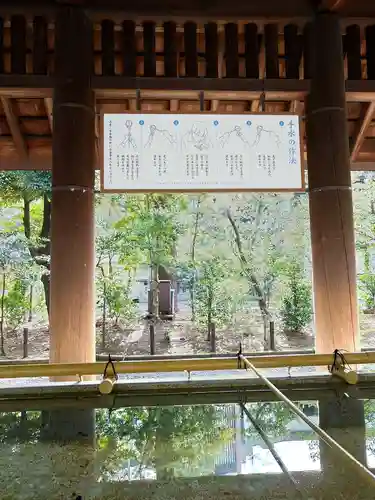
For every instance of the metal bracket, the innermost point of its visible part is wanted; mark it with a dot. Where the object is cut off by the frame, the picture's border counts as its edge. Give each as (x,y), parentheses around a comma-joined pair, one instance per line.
(341,369)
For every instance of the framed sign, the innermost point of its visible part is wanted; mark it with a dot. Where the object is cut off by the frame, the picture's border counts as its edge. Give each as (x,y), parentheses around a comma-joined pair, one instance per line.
(147,152)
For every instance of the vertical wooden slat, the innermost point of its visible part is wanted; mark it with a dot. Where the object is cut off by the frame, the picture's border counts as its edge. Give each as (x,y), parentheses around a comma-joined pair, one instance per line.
(272,50)
(40,46)
(353,51)
(370,51)
(191,53)
(129,49)
(170,50)
(1,45)
(344,50)
(18,44)
(231,50)
(211,50)
(108,47)
(251,50)
(149,48)
(307,51)
(293,51)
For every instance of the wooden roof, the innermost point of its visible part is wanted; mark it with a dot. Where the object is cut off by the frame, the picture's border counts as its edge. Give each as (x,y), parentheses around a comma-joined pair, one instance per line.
(160,66)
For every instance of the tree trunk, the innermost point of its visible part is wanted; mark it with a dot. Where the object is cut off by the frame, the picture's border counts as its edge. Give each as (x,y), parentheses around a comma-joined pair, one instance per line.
(253,280)
(193,245)
(2,350)
(29,319)
(104,316)
(154,289)
(45,278)
(41,252)
(209,313)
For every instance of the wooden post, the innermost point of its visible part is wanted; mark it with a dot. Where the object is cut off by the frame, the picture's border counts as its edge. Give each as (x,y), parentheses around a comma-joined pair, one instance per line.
(272,343)
(72,319)
(331,209)
(213,337)
(152,339)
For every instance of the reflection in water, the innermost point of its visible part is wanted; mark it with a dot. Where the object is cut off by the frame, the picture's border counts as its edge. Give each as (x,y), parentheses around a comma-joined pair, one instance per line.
(191,452)
(161,442)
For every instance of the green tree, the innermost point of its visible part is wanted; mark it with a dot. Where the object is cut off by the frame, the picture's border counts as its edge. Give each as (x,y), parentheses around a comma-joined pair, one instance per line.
(296,308)
(29,192)
(13,254)
(151,223)
(214,302)
(113,288)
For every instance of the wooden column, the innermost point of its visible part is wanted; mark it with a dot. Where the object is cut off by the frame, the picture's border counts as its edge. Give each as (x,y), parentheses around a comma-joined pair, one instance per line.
(331,208)
(72,317)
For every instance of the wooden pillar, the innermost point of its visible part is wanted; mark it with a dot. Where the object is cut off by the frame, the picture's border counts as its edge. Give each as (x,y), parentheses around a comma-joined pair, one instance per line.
(331,208)
(72,317)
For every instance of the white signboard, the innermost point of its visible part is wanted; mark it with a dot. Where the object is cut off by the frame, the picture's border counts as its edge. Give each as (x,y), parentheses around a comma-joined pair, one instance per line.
(201,152)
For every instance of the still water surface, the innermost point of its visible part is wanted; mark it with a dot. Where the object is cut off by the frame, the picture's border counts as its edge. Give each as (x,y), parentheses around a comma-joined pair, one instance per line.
(188,452)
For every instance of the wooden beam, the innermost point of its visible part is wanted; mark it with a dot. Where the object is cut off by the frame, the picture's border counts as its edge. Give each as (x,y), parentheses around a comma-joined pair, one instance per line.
(363,166)
(14,126)
(118,87)
(48,102)
(367,114)
(196,9)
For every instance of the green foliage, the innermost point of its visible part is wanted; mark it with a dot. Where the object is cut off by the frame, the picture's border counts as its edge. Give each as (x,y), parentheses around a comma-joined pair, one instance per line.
(18,427)
(24,184)
(296,308)
(273,418)
(170,439)
(152,225)
(213,301)
(116,293)
(15,304)
(367,289)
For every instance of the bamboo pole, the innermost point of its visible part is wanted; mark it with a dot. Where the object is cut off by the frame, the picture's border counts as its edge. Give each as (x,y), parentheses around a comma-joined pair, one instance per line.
(269,445)
(178,365)
(340,451)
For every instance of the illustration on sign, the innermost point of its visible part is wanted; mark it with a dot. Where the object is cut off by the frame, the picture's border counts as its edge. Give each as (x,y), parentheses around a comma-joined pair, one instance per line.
(128,140)
(237,130)
(161,134)
(172,152)
(198,137)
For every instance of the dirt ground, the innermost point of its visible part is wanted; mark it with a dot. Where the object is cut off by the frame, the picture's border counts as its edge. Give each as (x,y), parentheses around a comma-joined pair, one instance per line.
(180,337)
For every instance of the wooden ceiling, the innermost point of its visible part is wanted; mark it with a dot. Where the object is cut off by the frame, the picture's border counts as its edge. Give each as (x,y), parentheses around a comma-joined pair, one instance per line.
(201,9)
(220,67)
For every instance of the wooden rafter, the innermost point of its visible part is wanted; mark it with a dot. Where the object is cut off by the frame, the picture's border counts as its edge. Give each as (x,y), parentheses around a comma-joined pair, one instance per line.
(14,126)
(362,126)
(255,104)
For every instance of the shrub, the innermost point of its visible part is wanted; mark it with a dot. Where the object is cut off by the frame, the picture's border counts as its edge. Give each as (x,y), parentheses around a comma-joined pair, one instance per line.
(296,310)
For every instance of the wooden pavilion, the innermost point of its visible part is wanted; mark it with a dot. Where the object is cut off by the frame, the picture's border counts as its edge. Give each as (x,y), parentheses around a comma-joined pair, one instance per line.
(64,62)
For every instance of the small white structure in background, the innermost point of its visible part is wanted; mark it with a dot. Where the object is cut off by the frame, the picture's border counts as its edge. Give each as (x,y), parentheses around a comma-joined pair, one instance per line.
(201,152)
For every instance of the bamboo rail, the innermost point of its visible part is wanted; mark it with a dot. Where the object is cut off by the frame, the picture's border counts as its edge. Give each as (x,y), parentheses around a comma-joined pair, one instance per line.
(178,365)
